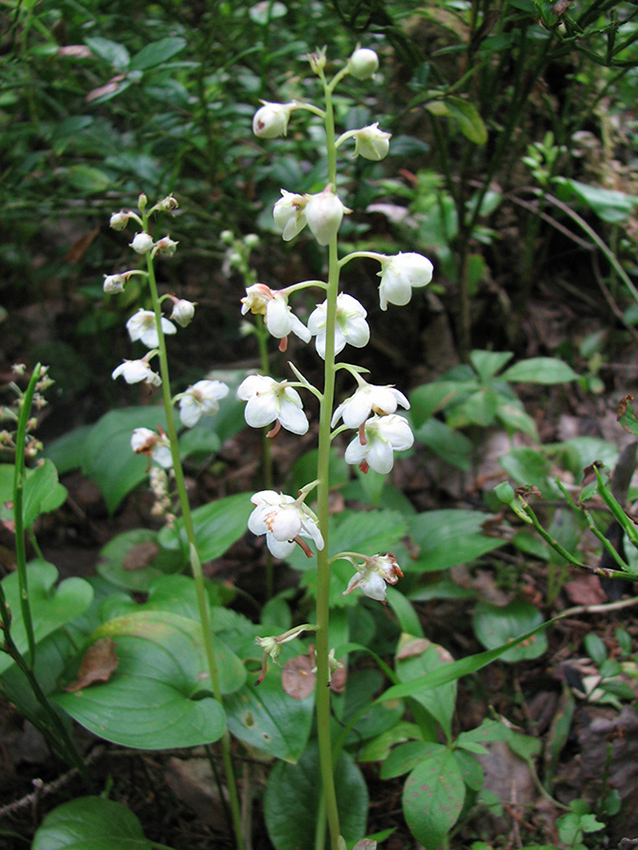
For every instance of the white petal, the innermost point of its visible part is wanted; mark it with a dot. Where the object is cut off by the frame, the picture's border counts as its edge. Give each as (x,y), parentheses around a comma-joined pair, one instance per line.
(190,411)
(358,409)
(355,453)
(280,548)
(261,410)
(293,418)
(278,318)
(358,332)
(380,456)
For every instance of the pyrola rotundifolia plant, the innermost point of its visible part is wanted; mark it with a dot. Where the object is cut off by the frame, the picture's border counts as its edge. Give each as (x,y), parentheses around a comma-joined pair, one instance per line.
(370,412)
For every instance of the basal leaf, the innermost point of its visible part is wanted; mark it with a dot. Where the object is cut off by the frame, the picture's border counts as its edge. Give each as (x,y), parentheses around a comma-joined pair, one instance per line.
(90,823)
(433,797)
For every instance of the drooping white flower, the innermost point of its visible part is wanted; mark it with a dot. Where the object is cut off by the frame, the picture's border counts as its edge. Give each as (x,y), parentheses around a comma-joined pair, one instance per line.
(373,574)
(366,399)
(399,275)
(271,120)
(371,142)
(324,214)
(135,371)
(114,283)
(183,311)
(119,220)
(279,318)
(272,401)
(378,439)
(142,326)
(351,326)
(284,521)
(166,246)
(289,214)
(363,63)
(147,442)
(142,243)
(202,399)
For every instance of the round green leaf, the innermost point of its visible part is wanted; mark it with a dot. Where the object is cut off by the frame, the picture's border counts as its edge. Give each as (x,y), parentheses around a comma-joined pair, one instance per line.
(292,801)
(90,823)
(264,716)
(152,701)
(217,526)
(449,537)
(50,608)
(133,559)
(433,797)
(495,626)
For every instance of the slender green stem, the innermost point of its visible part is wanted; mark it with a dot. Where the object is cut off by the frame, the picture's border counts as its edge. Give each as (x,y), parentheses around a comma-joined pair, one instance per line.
(323,489)
(202,599)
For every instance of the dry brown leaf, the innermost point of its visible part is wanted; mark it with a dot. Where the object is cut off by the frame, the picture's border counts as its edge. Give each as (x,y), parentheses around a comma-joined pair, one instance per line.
(297,678)
(98,663)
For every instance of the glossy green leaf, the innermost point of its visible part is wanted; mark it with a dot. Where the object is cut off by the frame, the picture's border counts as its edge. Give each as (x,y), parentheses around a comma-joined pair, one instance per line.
(108,457)
(488,363)
(496,625)
(470,122)
(110,51)
(451,445)
(90,823)
(415,658)
(87,179)
(514,418)
(157,52)
(51,607)
(407,756)
(67,452)
(292,801)
(433,797)
(217,526)
(540,370)
(530,467)
(134,558)
(449,537)
(264,716)
(152,700)
(608,204)
(42,492)
(429,398)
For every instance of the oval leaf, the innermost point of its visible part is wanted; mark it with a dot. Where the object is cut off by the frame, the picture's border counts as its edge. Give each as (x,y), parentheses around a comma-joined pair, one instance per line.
(90,823)
(495,626)
(433,797)
(152,701)
(540,370)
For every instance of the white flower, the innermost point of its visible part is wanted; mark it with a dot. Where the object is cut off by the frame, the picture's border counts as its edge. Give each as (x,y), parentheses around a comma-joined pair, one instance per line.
(284,521)
(134,371)
(289,214)
(399,274)
(147,442)
(363,63)
(379,438)
(324,213)
(183,311)
(279,318)
(272,401)
(142,326)
(142,243)
(201,399)
(114,283)
(351,326)
(119,220)
(366,399)
(372,143)
(271,120)
(372,575)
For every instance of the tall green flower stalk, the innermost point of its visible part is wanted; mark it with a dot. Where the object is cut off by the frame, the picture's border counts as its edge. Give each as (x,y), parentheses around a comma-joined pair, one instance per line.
(340,320)
(151,327)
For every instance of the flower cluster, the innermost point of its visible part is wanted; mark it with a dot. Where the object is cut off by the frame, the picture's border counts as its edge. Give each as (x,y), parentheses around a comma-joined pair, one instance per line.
(150,328)
(338,321)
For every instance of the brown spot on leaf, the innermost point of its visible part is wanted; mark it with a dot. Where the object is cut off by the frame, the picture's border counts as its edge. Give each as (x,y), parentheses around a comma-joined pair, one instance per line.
(140,556)
(99,662)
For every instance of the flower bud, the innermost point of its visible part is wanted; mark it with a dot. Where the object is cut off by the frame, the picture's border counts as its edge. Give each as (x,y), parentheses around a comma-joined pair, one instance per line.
(227,237)
(183,312)
(119,220)
(142,201)
(400,274)
(271,120)
(114,283)
(324,213)
(251,240)
(363,63)
(372,143)
(317,60)
(142,243)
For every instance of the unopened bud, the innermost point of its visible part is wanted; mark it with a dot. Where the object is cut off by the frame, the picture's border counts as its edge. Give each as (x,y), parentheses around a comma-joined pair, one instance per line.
(272,119)
(142,201)
(363,63)
(183,312)
(317,60)
(227,237)
(114,283)
(324,213)
(372,143)
(119,220)
(142,243)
